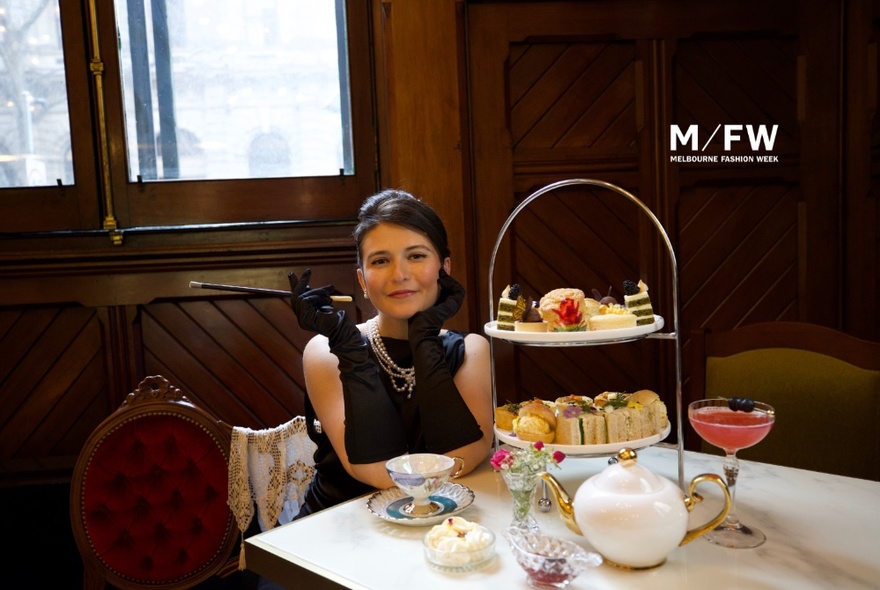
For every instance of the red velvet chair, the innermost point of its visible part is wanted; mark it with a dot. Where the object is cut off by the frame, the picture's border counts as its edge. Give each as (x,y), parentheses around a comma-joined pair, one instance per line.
(149,494)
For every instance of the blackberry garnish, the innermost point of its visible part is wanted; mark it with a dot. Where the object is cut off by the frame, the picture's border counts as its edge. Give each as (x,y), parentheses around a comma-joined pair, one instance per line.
(741,404)
(630,288)
(515,291)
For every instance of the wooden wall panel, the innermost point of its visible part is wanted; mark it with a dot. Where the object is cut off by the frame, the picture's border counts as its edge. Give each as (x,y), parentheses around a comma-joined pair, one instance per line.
(740,229)
(861,289)
(239,358)
(66,367)
(422,123)
(739,250)
(574,99)
(741,80)
(52,387)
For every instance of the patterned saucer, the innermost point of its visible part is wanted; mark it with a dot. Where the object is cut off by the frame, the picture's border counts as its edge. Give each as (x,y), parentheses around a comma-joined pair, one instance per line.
(388,504)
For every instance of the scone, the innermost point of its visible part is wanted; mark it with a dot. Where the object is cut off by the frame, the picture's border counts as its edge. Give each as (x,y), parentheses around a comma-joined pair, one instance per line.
(535,422)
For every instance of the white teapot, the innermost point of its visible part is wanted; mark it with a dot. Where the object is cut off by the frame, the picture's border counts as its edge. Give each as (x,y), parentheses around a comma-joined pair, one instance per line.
(631,516)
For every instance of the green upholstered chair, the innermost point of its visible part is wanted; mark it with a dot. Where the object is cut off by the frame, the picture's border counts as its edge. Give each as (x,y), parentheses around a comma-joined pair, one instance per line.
(824,384)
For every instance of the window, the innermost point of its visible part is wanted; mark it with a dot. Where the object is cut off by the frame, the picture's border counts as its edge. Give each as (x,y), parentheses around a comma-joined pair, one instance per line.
(168,113)
(228,73)
(34,120)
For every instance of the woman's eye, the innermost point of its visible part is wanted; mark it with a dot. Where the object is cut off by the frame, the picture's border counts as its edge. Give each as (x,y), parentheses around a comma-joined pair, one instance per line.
(378,261)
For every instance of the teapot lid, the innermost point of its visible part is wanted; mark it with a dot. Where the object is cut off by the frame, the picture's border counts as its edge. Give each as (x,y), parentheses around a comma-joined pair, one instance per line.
(626,476)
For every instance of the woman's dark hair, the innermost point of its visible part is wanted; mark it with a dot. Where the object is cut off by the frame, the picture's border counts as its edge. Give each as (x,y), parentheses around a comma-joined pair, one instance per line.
(403,209)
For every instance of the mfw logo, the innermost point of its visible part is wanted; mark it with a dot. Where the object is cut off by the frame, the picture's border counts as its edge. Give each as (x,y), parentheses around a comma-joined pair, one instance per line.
(759,138)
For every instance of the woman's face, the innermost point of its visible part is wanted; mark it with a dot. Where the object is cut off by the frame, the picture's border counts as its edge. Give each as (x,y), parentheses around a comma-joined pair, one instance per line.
(400,270)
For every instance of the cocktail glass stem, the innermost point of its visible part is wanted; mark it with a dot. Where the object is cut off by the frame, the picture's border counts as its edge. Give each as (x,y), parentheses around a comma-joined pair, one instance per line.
(731,471)
(732,533)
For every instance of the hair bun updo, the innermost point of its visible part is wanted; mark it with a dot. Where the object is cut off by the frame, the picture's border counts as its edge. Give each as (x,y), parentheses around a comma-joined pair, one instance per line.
(403,209)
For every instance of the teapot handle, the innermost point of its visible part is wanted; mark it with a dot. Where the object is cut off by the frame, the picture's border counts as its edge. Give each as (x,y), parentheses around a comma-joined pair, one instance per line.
(692,499)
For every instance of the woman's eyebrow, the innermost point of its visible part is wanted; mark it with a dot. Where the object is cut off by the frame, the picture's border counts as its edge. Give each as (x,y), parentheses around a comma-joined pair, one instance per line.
(408,249)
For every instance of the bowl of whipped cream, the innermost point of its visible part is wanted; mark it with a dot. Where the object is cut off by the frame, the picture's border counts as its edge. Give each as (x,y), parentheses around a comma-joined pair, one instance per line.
(459,545)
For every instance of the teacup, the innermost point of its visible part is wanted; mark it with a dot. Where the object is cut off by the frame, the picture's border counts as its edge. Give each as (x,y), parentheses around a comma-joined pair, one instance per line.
(419,475)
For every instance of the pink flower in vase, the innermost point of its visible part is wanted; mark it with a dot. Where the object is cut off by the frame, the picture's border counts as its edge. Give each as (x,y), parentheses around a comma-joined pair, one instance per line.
(533,459)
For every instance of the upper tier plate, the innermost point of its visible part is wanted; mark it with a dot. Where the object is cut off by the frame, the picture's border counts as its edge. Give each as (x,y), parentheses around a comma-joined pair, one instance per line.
(574,338)
(605,450)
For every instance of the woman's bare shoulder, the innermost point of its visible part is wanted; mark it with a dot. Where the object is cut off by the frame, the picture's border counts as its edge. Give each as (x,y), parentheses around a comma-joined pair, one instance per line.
(476,342)
(317,350)
(317,353)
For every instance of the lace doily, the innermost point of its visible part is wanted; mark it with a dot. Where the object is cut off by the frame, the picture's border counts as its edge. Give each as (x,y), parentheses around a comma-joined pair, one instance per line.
(269,469)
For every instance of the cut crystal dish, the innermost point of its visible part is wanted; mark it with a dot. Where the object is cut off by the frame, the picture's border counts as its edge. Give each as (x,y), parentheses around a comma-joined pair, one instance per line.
(549,562)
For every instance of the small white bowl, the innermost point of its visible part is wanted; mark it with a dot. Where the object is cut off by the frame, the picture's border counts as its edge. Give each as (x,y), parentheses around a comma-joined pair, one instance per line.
(458,560)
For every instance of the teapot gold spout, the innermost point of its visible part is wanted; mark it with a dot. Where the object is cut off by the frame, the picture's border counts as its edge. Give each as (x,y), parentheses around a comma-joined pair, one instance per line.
(631,516)
(564,503)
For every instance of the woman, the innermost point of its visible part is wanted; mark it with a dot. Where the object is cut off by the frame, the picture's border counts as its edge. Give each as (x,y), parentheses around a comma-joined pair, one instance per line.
(397,383)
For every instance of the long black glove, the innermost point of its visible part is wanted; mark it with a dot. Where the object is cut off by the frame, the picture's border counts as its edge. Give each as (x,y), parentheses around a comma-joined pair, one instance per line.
(447,423)
(373,430)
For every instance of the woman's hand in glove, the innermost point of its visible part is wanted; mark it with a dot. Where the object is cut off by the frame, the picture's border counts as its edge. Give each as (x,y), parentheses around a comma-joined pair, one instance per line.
(314,307)
(439,400)
(427,323)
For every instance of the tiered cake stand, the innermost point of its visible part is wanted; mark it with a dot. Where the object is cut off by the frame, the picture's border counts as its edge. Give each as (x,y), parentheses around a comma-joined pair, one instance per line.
(592,338)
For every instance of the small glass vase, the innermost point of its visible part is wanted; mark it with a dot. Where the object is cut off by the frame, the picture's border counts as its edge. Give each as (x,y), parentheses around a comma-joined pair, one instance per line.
(522,486)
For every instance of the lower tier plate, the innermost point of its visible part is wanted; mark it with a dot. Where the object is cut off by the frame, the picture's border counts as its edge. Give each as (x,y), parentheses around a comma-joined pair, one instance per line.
(604,450)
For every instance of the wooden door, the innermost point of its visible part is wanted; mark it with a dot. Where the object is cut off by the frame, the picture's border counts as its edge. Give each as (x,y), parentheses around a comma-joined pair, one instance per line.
(592,90)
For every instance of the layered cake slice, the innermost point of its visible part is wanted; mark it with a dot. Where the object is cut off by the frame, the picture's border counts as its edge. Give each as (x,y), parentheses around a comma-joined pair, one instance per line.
(510,307)
(637,302)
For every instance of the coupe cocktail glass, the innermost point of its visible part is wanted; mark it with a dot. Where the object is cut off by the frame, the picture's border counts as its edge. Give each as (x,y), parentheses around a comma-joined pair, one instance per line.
(732,430)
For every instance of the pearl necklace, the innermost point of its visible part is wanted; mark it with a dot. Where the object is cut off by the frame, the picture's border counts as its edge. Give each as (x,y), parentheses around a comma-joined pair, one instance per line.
(387,363)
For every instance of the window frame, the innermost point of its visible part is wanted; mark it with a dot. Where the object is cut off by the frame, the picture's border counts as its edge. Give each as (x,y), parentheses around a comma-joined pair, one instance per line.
(185,204)
(64,207)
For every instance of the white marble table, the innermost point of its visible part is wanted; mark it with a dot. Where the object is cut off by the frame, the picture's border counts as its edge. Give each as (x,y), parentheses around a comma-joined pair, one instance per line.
(823,532)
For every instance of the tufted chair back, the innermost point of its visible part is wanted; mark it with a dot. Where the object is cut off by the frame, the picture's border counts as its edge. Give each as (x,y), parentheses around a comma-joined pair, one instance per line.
(149,494)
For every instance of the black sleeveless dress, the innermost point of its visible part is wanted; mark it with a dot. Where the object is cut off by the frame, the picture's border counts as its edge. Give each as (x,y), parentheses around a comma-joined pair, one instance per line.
(332,484)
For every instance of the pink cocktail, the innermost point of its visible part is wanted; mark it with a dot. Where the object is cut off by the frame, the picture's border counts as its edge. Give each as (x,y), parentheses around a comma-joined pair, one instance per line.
(729,430)
(732,424)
